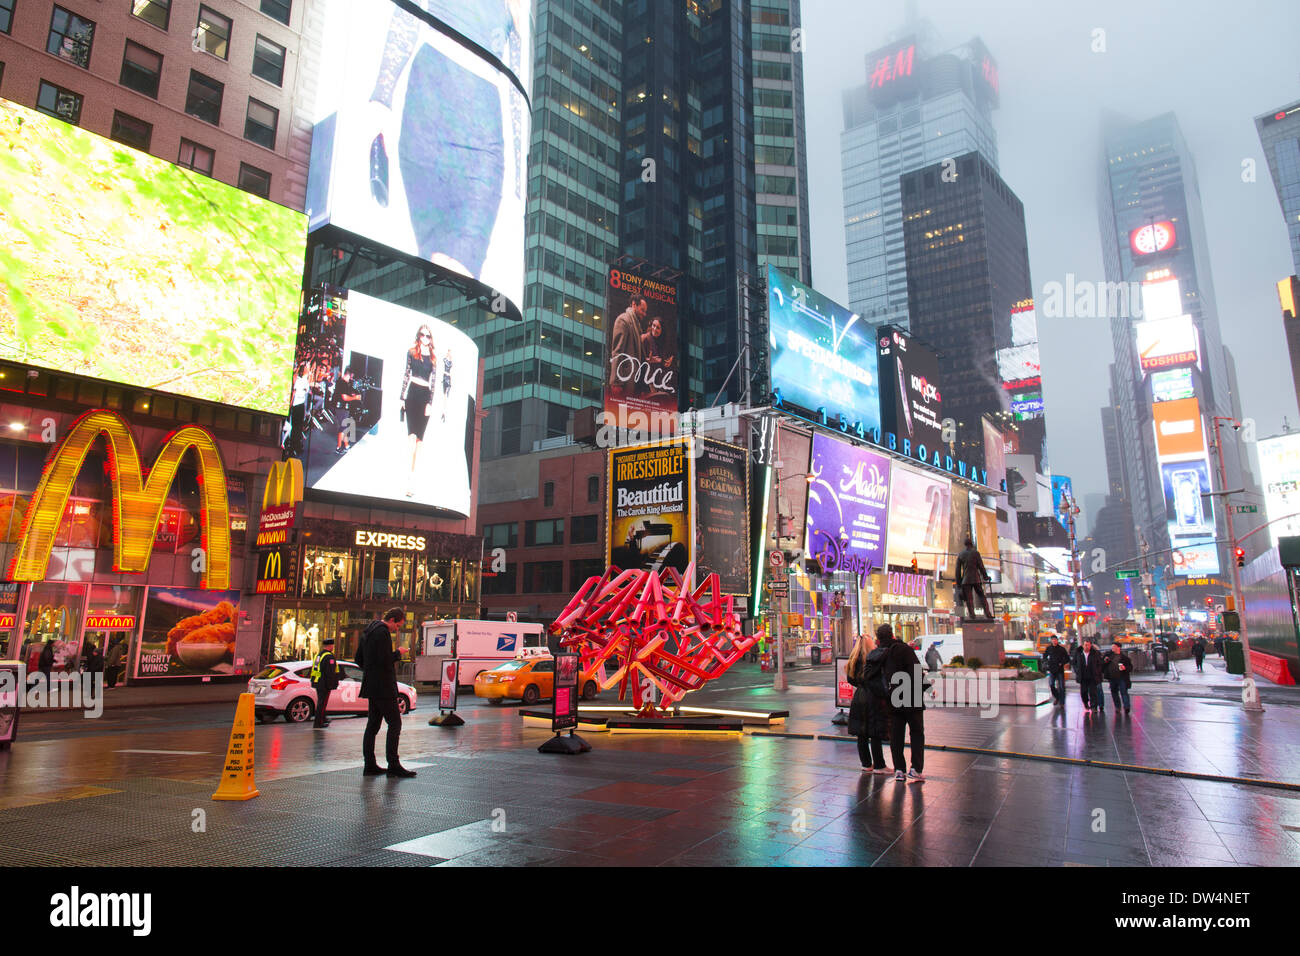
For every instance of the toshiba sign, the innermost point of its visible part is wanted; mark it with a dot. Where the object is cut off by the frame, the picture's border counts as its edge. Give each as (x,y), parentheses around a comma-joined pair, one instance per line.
(1167,343)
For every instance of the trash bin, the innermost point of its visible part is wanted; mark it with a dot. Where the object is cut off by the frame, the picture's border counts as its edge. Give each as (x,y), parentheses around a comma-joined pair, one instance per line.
(815,653)
(1235,657)
(1160,658)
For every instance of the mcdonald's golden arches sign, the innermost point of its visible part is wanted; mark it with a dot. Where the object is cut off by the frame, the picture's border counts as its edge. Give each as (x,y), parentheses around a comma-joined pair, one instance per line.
(137,503)
(280,500)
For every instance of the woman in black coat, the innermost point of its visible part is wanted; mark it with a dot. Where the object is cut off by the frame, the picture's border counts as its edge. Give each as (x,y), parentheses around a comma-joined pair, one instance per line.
(869,716)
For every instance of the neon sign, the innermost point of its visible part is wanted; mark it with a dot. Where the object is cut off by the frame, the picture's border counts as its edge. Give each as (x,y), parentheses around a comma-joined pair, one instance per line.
(893,66)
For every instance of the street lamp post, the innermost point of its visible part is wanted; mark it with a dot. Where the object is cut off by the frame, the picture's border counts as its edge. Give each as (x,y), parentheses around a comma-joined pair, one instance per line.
(1249,694)
(1070,509)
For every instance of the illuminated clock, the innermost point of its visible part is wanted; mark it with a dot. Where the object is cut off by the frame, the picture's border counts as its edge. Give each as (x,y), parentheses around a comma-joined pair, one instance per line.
(1156,237)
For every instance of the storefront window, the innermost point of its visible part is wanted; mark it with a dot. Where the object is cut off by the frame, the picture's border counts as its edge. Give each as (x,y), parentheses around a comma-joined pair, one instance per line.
(111,616)
(439,587)
(299,631)
(327,572)
(53,615)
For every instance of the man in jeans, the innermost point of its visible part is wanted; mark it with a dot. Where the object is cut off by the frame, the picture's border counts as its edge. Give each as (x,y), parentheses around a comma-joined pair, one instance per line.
(1054,660)
(1088,672)
(378,662)
(1119,671)
(903,677)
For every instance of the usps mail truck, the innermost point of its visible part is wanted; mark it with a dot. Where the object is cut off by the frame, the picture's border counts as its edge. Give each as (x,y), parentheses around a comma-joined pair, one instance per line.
(478,645)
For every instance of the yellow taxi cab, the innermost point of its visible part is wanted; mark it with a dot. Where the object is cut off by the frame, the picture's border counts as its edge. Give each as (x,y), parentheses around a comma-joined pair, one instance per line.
(529,679)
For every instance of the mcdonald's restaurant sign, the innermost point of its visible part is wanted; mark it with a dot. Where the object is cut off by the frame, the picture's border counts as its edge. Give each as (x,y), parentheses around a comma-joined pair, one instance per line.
(137,503)
(280,502)
(271,578)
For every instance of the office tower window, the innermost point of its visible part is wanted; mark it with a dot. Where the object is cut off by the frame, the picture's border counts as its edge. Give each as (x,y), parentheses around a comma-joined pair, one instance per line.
(268,61)
(71,37)
(585,529)
(545,532)
(6,15)
(141,69)
(157,12)
(196,157)
(260,124)
(254,180)
(55,100)
(213,33)
(132,131)
(278,9)
(203,99)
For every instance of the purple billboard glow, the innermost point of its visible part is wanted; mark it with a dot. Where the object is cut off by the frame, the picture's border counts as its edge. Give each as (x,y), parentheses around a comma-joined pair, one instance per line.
(848,507)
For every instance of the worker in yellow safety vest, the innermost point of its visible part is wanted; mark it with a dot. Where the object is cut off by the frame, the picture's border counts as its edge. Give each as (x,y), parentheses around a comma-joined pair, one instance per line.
(324,678)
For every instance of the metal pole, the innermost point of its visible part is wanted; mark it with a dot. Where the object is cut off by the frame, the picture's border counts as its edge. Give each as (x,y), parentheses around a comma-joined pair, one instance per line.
(778,597)
(1249,701)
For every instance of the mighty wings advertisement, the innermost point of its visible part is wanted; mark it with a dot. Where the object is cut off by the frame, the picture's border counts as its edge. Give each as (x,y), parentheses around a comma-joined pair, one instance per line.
(848,507)
(910,402)
(642,373)
(722,515)
(649,507)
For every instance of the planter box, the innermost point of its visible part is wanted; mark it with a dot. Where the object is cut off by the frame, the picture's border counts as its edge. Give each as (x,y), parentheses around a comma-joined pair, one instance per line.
(963,687)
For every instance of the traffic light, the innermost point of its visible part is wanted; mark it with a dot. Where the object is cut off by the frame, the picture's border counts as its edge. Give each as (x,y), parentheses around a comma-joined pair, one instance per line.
(1241,557)
(914,567)
(1108,602)
(1209,602)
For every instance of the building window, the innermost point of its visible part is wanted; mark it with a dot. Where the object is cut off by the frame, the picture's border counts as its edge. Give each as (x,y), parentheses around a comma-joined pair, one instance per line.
(254,180)
(6,15)
(548,494)
(132,131)
(157,12)
(268,60)
(585,529)
(501,535)
(260,124)
(213,33)
(539,533)
(55,100)
(203,98)
(196,157)
(543,577)
(593,488)
(71,37)
(503,582)
(141,69)
(580,571)
(278,9)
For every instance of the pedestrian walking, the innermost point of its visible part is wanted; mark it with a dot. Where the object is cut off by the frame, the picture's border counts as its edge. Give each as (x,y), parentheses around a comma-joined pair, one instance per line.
(113,662)
(1198,652)
(904,680)
(869,716)
(378,663)
(1087,668)
(92,659)
(933,661)
(1054,660)
(45,664)
(324,678)
(1118,668)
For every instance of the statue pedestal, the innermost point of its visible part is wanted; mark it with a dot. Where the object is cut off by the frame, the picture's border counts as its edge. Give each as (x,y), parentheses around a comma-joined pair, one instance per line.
(983,639)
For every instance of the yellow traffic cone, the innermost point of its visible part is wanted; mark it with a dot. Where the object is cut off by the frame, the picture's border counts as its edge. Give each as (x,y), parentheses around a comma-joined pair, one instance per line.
(237,777)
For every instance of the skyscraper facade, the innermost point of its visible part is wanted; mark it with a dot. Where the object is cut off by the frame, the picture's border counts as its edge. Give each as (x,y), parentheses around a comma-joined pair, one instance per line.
(915,109)
(1279,134)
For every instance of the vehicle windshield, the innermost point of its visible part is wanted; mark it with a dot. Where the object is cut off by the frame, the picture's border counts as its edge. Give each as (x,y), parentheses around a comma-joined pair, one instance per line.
(267,673)
(511,666)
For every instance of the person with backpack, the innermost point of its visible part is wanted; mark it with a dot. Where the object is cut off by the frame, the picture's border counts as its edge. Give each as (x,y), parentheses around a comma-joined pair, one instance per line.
(904,681)
(869,717)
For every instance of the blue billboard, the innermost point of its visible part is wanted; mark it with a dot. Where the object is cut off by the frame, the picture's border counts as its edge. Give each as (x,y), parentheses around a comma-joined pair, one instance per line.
(824,361)
(1062,487)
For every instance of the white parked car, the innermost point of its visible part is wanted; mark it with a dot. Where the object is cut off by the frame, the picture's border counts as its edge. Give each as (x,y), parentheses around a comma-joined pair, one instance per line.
(285,690)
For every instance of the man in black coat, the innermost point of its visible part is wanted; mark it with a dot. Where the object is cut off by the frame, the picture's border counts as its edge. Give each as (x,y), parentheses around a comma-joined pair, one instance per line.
(904,678)
(1054,660)
(324,678)
(1088,672)
(970,577)
(378,661)
(869,714)
(1118,668)
(1198,652)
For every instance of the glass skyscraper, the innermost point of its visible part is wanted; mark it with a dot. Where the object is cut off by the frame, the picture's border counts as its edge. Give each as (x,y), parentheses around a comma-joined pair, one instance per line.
(1279,133)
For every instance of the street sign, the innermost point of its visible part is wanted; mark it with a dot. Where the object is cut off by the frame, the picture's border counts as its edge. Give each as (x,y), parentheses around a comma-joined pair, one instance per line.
(1245,509)
(1129,573)
(1147,580)
(781,585)
(1151,613)
(776,558)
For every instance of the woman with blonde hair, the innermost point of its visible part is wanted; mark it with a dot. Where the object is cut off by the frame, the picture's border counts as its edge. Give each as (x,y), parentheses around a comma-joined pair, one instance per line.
(869,717)
(417,395)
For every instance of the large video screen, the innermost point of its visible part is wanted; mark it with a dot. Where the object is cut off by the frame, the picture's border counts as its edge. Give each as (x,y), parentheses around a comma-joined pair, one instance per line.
(643,372)
(911,405)
(382,402)
(823,355)
(848,505)
(419,143)
(1187,507)
(1279,473)
(649,508)
(120,266)
(919,513)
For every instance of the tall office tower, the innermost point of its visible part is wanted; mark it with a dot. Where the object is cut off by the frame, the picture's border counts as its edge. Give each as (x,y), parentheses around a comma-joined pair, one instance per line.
(1171,369)
(971,297)
(664,135)
(1279,133)
(915,109)
(216,91)
(1288,293)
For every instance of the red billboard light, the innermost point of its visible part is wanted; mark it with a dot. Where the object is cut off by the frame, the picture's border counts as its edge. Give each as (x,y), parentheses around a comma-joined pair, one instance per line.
(1156,237)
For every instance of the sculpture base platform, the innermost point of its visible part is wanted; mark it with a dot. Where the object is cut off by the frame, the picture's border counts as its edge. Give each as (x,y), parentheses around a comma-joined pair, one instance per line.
(983,639)
(669,724)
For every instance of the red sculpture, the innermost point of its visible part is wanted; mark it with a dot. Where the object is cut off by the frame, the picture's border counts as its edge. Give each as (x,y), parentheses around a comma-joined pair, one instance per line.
(656,624)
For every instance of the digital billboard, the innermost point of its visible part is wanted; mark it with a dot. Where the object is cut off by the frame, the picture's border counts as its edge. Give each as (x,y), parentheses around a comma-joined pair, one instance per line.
(1173,385)
(722,514)
(1024,323)
(1062,488)
(1187,512)
(911,405)
(188,633)
(1019,364)
(848,506)
(642,358)
(1154,237)
(143,272)
(382,402)
(649,507)
(1178,428)
(919,513)
(420,143)
(1195,556)
(823,355)
(1279,468)
(995,466)
(1162,298)
(984,527)
(1167,343)
(1022,491)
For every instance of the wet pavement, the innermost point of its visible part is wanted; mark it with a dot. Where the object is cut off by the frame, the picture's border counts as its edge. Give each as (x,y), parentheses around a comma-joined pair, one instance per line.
(125,790)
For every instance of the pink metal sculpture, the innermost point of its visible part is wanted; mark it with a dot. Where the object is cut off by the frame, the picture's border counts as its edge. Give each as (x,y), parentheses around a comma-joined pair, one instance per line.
(657,624)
